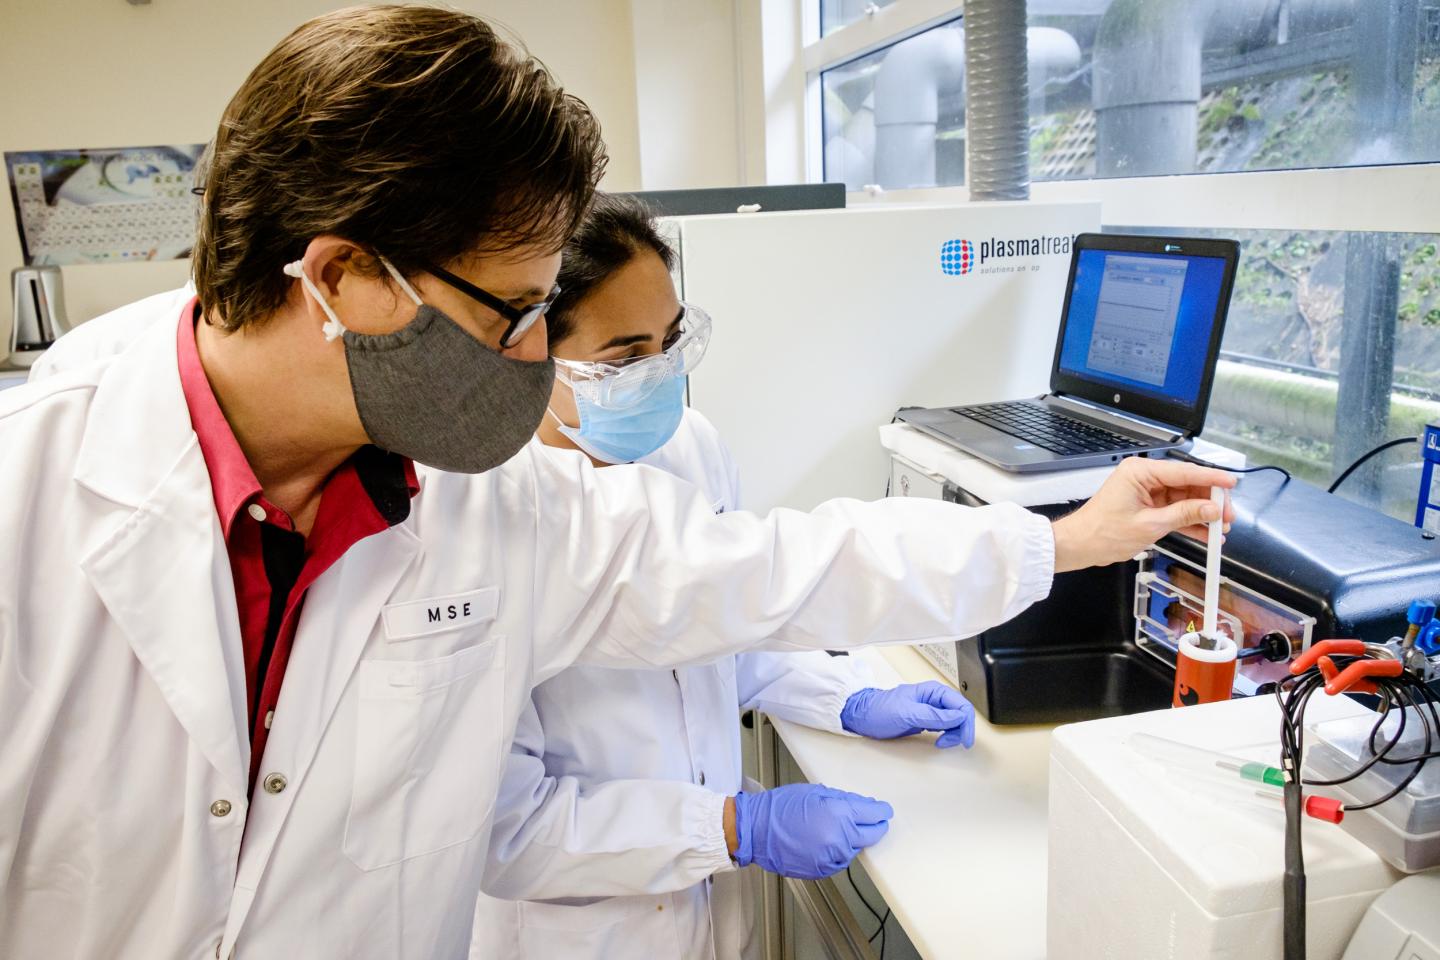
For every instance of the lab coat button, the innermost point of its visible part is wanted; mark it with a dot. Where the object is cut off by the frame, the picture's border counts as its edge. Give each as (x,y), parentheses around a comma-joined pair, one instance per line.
(275,783)
(702,778)
(220,808)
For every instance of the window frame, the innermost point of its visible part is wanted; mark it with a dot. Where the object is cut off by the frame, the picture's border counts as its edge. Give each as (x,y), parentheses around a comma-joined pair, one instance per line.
(1396,198)
(1389,198)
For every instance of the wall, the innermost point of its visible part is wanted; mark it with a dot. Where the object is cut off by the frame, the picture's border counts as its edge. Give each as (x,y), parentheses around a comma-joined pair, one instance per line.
(686,84)
(773,89)
(722,91)
(893,328)
(105,73)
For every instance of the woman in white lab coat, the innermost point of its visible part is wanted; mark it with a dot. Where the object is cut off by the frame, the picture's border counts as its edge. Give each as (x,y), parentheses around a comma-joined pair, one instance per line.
(613,806)
(378,234)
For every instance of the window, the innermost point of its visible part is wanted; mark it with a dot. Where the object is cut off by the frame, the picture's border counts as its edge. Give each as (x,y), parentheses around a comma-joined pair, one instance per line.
(835,14)
(1146,87)
(1258,87)
(1332,346)
(897,116)
(1333,339)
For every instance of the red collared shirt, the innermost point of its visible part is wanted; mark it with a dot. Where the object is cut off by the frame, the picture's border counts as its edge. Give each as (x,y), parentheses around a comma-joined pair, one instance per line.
(272,564)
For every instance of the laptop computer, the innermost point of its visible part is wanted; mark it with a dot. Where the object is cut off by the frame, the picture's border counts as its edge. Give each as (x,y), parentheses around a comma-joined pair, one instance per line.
(1134,362)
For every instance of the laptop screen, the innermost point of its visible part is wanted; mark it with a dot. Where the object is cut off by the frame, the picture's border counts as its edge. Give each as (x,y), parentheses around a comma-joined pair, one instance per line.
(1141,322)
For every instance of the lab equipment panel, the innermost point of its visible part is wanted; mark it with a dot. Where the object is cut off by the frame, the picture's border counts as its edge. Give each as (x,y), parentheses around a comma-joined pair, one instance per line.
(1427,508)
(1296,551)
(1068,657)
(1169,602)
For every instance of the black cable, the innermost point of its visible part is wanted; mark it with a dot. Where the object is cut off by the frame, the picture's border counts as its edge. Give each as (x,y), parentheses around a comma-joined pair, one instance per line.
(1345,474)
(880,931)
(1377,754)
(1430,702)
(873,912)
(1182,455)
(883,920)
(1419,762)
(1292,697)
(1406,691)
(1294,898)
(1293,888)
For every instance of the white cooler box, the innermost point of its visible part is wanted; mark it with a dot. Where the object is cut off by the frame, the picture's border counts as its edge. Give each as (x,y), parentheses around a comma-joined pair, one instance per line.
(1150,865)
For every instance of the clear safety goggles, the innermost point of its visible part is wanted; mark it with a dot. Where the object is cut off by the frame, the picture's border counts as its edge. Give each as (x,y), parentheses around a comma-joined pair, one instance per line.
(620,384)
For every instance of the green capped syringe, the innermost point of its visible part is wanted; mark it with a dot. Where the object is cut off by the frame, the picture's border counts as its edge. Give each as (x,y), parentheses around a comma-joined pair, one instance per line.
(1205,763)
(1236,777)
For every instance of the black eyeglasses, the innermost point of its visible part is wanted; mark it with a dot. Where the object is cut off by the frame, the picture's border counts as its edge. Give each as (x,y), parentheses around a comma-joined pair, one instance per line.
(521,319)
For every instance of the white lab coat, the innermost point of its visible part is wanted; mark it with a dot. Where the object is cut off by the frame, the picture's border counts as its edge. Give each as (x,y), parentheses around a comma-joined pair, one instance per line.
(617,779)
(123,745)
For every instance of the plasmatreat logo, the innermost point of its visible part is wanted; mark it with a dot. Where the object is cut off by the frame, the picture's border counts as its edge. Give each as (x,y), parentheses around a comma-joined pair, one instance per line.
(957,257)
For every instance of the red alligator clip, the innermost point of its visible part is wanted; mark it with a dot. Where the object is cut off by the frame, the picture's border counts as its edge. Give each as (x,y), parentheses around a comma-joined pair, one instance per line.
(1328,670)
(1351,679)
(1306,660)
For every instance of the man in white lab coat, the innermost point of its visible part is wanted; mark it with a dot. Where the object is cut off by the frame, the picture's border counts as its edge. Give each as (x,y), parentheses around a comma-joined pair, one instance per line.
(611,821)
(314,472)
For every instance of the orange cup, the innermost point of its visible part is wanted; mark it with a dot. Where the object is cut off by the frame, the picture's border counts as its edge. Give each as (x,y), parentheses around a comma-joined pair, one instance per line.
(1201,675)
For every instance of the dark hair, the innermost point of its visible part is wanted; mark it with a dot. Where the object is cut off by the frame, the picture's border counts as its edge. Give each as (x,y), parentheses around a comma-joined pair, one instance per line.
(614,230)
(414,131)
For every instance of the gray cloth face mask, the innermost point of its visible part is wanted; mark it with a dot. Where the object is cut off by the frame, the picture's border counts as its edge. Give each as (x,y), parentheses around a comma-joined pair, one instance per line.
(434,393)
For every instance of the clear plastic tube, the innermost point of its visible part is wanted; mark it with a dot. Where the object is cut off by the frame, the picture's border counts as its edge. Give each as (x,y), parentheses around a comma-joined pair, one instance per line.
(1233,779)
(1206,763)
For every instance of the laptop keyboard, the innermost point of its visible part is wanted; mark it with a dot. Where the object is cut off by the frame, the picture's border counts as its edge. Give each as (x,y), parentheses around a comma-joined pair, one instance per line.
(1041,425)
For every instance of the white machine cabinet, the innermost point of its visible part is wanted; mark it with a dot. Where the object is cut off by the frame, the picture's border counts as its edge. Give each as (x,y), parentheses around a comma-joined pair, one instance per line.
(908,479)
(827,321)
(1147,865)
(1402,923)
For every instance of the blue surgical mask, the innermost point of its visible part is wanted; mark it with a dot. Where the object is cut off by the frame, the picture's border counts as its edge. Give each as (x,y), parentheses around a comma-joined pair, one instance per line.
(624,436)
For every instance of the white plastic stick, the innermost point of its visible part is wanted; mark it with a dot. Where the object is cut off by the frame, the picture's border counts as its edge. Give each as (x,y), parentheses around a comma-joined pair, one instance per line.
(1212,565)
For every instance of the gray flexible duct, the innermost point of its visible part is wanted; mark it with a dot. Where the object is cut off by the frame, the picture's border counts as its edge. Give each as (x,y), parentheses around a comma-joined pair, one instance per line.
(997,120)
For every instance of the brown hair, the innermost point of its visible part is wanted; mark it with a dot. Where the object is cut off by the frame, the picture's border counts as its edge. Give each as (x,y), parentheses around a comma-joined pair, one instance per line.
(616,229)
(413,131)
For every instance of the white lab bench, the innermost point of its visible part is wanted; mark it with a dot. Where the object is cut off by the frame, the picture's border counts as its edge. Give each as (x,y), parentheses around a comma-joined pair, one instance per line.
(963,866)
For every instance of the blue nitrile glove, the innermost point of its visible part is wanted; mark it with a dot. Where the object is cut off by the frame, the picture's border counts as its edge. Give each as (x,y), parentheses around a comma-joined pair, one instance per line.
(908,709)
(806,830)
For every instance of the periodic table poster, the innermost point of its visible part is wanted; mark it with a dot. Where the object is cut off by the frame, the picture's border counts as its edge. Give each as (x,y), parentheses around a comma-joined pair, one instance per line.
(114,205)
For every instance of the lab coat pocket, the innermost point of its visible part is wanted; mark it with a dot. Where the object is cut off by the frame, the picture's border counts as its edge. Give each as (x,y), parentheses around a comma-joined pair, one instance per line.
(427,745)
(610,927)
